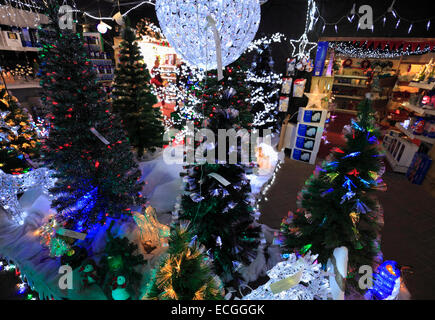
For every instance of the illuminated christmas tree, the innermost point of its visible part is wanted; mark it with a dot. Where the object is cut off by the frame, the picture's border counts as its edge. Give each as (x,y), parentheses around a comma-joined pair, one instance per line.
(185,273)
(218,201)
(18,139)
(133,99)
(87,147)
(264,85)
(336,207)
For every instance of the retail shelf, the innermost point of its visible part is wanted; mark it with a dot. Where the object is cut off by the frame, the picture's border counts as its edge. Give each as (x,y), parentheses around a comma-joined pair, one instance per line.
(350,76)
(413,136)
(348,97)
(421,85)
(349,85)
(25,85)
(354,112)
(23,49)
(419,110)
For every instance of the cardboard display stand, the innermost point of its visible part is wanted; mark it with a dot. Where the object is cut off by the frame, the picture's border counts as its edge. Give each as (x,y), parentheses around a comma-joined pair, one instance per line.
(306,141)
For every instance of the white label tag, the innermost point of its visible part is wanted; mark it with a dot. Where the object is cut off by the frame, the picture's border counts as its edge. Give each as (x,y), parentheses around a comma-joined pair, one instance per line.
(219,178)
(71,234)
(99,136)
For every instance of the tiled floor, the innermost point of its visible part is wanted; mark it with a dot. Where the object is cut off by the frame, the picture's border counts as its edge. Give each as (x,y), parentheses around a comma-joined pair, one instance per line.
(408,235)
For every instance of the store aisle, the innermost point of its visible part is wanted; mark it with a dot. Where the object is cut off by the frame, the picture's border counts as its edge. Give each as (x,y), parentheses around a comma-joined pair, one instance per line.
(409,231)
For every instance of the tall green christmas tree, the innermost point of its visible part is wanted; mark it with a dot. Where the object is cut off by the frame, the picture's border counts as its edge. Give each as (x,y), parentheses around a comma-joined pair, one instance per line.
(336,205)
(18,139)
(87,147)
(133,99)
(185,273)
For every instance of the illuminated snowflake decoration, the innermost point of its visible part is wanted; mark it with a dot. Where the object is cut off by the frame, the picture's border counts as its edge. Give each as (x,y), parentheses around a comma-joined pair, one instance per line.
(184,24)
(314,283)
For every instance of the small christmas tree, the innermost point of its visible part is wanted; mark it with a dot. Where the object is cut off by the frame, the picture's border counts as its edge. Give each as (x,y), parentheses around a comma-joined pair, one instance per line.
(133,99)
(219,206)
(96,171)
(336,207)
(18,139)
(185,273)
(264,85)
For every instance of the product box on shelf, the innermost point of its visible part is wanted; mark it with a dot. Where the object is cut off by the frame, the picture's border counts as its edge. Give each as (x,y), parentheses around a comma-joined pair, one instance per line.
(308,134)
(399,151)
(418,168)
(12,39)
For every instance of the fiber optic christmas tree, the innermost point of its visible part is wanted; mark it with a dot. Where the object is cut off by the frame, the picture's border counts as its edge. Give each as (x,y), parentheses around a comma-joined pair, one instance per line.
(264,85)
(185,273)
(133,99)
(18,139)
(218,201)
(97,175)
(336,207)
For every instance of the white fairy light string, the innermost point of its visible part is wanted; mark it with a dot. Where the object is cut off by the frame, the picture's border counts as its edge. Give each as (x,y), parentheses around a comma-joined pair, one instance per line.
(347,49)
(352,14)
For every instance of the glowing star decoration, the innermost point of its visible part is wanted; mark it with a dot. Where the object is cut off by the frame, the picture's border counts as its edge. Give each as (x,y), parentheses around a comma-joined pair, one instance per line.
(13,185)
(315,98)
(386,282)
(296,278)
(302,47)
(186,26)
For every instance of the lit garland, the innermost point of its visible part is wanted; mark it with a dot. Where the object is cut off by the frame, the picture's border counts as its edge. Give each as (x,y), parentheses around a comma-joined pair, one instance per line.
(350,50)
(268,186)
(350,17)
(22,286)
(269,101)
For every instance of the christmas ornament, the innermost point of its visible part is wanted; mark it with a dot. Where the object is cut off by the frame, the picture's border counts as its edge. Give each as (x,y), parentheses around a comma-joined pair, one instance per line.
(184,23)
(119,289)
(88,273)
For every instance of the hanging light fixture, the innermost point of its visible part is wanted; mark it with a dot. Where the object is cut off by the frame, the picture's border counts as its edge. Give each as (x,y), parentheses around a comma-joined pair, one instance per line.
(102,27)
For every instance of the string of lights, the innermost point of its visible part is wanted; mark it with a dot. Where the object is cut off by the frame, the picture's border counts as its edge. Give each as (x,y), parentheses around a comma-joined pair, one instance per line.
(350,17)
(355,51)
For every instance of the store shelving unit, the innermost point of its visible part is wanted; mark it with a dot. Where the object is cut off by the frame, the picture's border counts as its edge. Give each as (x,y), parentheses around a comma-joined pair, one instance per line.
(419,110)
(410,134)
(349,89)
